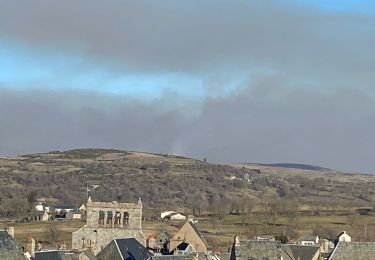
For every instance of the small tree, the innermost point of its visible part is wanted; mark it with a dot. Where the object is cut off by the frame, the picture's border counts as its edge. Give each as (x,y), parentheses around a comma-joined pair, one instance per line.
(54,233)
(282,238)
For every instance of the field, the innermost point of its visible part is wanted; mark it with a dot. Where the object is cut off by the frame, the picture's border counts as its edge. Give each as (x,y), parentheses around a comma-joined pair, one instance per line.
(219,234)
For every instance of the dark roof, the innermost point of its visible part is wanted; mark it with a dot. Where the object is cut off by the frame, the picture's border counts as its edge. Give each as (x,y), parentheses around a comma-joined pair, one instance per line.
(130,248)
(260,249)
(62,206)
(196,230)
(9,248)
(353,250)
(172,257)
(53,255)
(303,252)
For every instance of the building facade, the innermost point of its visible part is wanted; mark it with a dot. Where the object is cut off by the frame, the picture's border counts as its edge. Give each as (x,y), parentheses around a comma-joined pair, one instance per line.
(106,221)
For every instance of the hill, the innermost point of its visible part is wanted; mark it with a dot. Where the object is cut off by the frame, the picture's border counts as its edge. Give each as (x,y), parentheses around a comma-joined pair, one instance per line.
(168,182)
(299,166)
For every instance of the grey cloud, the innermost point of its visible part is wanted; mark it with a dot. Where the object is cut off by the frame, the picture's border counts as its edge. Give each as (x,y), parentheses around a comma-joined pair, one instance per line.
(306,95)
(201,36)
(252,126)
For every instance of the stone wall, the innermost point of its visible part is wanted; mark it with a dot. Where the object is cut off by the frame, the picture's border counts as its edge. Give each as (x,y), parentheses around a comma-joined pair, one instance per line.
(106,221)
(113,214)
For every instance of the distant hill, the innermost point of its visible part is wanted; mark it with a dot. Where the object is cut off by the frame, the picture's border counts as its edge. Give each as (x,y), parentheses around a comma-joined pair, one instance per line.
(297,166)
(168,182)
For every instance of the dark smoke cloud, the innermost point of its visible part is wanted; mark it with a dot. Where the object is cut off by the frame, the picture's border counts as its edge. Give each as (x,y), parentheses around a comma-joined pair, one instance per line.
(305,81)
(255,125)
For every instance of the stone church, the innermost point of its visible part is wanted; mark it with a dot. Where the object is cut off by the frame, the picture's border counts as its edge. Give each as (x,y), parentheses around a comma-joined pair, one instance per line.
(106,221)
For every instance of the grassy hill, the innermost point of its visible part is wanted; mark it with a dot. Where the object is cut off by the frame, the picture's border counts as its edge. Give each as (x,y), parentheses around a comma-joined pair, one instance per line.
(168,181)
(247,199)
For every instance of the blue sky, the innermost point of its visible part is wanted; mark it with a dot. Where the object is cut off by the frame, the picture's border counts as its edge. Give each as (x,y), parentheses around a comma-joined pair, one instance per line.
(27,67)
(352,6)
(249,81)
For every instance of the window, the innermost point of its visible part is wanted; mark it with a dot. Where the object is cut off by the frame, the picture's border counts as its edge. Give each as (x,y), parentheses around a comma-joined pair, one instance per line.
(117,218)
(109,217)
(126,218)
(101,218)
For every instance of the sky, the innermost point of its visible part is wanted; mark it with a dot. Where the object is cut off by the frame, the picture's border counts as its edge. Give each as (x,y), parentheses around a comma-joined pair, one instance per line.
(231,81)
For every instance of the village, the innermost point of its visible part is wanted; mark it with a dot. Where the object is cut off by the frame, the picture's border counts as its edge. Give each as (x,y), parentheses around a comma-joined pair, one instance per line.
(114,230)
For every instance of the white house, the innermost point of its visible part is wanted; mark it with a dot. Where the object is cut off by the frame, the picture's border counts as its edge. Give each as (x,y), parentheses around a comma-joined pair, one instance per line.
(167,214)
(344,237)
(178,216)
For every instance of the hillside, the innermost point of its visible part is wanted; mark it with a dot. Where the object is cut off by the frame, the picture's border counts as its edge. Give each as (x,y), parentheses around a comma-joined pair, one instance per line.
(167,181)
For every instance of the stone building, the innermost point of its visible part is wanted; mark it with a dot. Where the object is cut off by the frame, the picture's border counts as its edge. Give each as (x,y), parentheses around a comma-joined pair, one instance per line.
(106,221)
(254,250)
(353,250)
(189,233)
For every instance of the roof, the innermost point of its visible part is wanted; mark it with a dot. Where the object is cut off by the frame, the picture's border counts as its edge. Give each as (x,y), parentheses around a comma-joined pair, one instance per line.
(196,230)
(164,234)
(172,257)
(303,252)
(62,206)
(254,249)
(130,248)
(353,250)
(54,255)
(9,248)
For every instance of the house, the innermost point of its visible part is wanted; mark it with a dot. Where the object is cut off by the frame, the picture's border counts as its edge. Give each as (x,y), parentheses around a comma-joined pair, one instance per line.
(9,248)
(172,215)
(127,248)
(73,214)
(343,237)
(177,216)
(40,216)
(82,208)
(167,213)
(159,243)
(353,250)
(190,234)
(45,216)
(254,250)
(61,209)
(301,252)
(42,206)
(310,241)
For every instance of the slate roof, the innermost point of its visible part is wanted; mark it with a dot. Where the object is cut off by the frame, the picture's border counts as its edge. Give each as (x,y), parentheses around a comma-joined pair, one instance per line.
(63,206)
(130,248)
(62,255)
(172,257)
(303,252)
(53,255)
(253,249)
(9,248)
(353,250)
